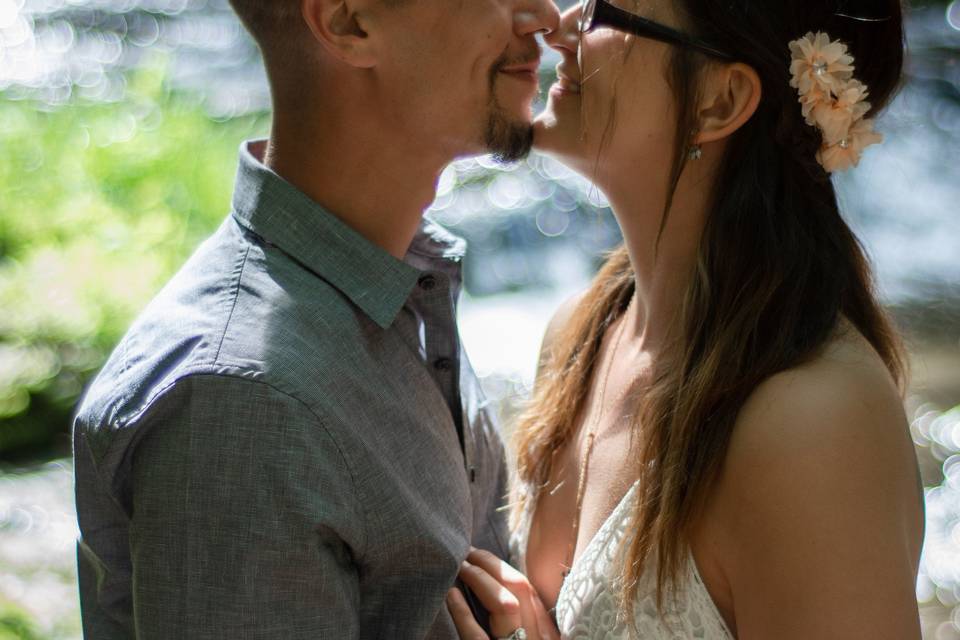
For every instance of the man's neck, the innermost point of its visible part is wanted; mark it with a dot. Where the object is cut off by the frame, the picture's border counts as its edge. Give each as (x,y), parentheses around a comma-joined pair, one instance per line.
(374,181)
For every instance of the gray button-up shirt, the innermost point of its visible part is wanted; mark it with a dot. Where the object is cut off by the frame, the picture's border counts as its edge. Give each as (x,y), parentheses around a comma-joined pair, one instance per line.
(289,442)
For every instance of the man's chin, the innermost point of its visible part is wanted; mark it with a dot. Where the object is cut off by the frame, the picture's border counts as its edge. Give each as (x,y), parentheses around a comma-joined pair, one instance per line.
(508,140)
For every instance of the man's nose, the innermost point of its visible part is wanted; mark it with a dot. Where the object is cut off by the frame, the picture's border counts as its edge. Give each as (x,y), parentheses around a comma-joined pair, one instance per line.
(535,16)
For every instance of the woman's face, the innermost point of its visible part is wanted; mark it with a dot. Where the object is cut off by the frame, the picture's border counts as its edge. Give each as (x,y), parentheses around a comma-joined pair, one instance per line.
(612,110)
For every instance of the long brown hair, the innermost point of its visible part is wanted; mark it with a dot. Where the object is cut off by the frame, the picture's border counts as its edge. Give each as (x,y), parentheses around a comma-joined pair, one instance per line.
(777,269)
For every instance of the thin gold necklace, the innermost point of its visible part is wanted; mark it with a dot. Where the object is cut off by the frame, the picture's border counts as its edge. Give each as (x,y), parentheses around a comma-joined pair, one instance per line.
(591,437)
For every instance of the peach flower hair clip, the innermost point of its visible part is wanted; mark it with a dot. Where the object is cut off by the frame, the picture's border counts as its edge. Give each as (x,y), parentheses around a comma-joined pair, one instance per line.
(832,100)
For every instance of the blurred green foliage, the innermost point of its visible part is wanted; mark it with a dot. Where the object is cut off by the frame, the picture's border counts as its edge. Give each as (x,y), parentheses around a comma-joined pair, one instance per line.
(99,205)
(15,623)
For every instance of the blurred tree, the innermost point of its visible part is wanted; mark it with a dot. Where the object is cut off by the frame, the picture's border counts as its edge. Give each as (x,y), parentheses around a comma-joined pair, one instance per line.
(101,203)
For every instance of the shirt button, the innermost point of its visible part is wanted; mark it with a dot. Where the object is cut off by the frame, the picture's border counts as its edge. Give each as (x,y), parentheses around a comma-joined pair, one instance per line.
(427,283)
(443,364)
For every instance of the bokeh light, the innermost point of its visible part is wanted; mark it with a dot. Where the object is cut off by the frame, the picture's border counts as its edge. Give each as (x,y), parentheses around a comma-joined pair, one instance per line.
(953,14)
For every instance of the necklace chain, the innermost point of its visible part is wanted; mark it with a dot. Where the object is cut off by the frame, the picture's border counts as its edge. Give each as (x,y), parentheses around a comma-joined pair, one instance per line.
(591,438)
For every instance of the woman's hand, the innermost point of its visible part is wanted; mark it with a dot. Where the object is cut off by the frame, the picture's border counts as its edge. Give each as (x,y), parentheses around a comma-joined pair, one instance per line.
(506,593)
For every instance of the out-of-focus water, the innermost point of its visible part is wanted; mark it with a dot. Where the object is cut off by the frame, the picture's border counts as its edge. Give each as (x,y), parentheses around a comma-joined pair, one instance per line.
(38,533)
(940,577)
(60,50)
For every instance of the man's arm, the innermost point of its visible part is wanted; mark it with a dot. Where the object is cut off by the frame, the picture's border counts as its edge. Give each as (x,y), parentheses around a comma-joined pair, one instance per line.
(245,521)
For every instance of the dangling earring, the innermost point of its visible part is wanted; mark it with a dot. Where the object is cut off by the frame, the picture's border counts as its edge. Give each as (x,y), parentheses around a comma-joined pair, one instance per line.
(695,152)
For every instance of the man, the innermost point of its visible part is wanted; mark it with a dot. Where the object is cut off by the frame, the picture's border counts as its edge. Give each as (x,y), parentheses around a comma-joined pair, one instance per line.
(289,442)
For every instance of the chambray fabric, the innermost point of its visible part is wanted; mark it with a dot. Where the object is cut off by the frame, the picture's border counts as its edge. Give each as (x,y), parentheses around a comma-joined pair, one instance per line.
(289,442)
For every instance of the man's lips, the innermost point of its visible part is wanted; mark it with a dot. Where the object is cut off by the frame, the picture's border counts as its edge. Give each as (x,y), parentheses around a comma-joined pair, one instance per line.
(525,71)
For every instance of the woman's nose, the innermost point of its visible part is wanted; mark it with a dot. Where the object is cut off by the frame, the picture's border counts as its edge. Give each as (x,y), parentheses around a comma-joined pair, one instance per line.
(566,38)
(535,16)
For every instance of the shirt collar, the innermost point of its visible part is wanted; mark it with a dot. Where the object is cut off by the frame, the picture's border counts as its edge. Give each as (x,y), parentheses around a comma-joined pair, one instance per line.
(375,281)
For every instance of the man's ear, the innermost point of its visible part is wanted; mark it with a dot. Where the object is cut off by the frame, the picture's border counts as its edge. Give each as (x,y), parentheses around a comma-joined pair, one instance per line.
(338,25)
(729,99)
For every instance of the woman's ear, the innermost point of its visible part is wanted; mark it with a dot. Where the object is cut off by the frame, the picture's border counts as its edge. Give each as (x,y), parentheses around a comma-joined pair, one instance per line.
(339,25)
(728,100)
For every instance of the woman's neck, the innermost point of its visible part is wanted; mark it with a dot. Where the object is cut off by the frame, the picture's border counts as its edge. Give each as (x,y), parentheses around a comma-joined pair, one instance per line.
(663,263)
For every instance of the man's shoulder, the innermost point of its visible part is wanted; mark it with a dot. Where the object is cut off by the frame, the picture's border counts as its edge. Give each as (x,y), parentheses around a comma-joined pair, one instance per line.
(234,310)
(177,333)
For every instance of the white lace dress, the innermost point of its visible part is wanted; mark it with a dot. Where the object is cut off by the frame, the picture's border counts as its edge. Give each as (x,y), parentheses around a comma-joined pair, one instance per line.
(587,604)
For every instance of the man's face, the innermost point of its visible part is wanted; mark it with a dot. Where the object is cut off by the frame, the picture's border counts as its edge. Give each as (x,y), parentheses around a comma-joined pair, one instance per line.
(463,73)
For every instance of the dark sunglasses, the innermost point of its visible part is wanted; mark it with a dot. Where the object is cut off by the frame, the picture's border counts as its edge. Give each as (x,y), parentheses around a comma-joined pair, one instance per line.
(599,13)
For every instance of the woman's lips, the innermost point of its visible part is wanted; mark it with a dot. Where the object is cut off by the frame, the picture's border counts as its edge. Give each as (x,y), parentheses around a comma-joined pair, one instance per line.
(566,85)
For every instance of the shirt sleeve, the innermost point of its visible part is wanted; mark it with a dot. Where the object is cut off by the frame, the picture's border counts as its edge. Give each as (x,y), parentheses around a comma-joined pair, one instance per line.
(244,519)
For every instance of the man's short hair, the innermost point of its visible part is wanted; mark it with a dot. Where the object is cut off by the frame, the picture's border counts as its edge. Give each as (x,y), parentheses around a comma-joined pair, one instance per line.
(270,21)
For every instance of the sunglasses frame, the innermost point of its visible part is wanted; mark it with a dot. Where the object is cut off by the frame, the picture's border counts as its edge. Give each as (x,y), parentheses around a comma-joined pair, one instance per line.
(602,13)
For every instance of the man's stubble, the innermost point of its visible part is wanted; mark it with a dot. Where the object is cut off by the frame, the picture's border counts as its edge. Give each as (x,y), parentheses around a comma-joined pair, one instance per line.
(507,139)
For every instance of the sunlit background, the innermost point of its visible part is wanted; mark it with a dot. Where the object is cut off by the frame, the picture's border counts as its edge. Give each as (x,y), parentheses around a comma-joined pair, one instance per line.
(119,125)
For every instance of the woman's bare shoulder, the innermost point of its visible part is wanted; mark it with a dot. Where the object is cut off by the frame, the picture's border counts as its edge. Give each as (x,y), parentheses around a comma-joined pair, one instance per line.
(846,391)
(818,501)
(841,413)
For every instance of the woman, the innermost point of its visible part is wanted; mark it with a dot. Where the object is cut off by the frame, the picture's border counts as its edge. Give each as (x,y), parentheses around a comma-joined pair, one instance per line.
(716,446)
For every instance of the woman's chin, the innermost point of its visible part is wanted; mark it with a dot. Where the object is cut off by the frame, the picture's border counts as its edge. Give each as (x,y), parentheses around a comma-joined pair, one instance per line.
(552,131)
(558,138)
(543,132)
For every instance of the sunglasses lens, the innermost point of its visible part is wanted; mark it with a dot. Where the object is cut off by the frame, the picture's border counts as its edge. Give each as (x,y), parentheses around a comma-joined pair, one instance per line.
(586,14)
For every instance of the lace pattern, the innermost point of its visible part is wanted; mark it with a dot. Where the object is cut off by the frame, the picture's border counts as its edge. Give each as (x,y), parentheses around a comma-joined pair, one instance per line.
(587,606)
